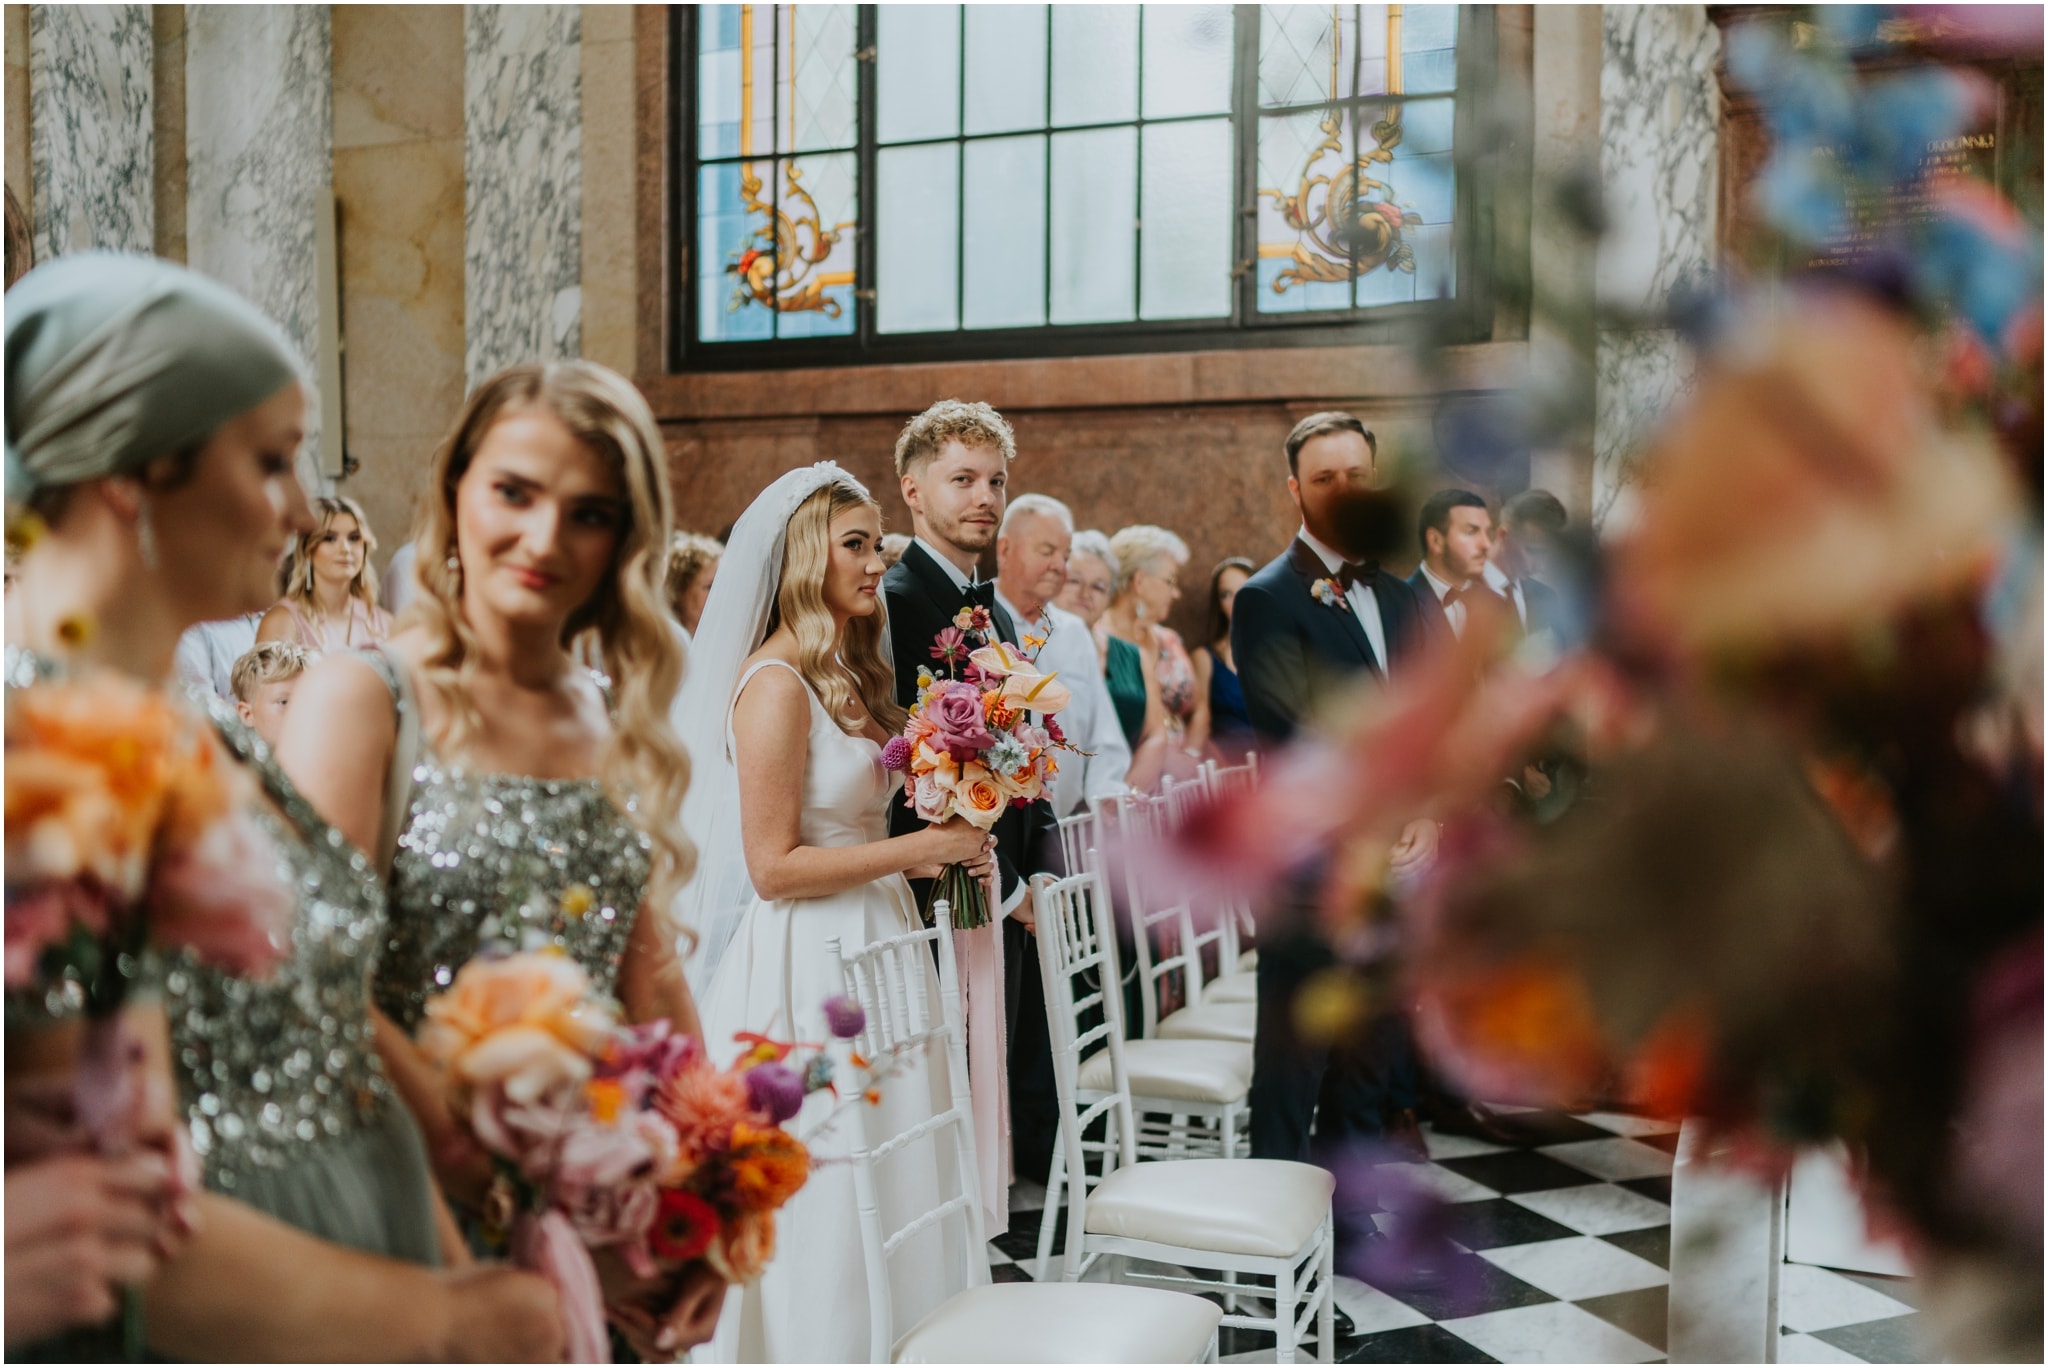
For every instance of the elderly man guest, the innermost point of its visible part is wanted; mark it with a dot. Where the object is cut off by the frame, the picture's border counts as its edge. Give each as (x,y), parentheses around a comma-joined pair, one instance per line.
(1031,569)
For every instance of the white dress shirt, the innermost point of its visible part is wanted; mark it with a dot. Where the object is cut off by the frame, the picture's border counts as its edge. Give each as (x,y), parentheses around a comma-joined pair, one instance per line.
(960,578)
(1363,604)
(1453,611)
(207,653)
(1090,720)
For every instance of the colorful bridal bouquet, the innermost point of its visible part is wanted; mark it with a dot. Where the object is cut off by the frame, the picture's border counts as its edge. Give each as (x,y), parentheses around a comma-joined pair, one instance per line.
(614,1137)
(970,748)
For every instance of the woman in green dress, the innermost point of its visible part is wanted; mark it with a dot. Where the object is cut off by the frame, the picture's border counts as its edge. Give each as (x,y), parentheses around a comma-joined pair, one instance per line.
(153,422)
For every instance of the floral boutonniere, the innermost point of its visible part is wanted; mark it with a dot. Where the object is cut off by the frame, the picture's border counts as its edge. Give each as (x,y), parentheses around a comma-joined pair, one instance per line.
(1327,593)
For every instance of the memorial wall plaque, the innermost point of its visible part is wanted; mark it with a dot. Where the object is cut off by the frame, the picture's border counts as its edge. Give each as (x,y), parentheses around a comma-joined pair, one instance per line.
(2004,150)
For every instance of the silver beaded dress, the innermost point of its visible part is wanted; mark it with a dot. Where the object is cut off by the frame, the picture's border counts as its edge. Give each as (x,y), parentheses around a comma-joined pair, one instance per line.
(506,860)
(289,1107)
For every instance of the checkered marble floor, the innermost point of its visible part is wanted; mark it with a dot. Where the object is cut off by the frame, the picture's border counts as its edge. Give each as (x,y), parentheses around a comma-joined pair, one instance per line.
(1568,1238)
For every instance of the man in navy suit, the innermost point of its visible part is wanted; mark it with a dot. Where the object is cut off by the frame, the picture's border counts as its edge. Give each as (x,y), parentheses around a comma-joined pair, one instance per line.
(1321,615)
(1456,532)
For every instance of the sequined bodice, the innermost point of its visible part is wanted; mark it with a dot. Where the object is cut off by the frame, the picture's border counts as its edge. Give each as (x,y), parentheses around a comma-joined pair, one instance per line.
(270,1069)
(508,859)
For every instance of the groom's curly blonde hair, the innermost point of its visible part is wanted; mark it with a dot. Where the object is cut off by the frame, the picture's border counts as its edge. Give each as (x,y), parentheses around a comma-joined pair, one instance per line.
(950,420)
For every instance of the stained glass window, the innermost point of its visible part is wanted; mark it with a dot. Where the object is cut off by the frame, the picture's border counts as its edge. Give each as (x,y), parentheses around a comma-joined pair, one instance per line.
(777,179)
(882,174)
(1356,192)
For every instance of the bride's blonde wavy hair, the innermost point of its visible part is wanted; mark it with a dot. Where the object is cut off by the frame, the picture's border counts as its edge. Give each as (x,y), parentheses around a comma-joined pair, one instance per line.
(800,601)
(644,769)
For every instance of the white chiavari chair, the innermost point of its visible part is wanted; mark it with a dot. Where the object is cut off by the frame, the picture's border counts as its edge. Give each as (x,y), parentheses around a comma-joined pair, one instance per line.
(1217,1220)
(982,1321)
(1190,1098)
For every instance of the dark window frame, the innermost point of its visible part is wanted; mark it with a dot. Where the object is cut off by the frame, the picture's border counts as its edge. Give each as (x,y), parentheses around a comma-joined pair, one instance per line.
(1466,317)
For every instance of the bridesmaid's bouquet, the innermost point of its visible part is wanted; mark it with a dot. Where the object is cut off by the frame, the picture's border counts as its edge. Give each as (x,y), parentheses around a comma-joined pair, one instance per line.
(128,829)
(607,1136)
(970,748)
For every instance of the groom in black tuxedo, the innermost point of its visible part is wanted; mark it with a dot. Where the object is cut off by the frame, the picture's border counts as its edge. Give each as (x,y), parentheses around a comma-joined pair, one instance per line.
(1321,616)
(953,461)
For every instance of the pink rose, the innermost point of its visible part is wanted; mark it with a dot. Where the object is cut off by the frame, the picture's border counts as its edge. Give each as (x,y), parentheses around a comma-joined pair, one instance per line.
(931,796)
(956,711)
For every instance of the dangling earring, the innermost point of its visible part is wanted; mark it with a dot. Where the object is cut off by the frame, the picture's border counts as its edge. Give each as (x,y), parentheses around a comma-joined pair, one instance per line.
(145,533)
(454,564)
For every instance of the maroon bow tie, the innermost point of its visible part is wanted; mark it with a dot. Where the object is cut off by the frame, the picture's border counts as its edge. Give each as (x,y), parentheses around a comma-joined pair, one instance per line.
(1349,573)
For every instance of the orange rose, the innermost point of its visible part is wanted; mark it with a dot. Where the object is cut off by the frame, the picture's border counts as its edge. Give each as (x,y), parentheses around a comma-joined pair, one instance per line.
(538,1002)
(978,796)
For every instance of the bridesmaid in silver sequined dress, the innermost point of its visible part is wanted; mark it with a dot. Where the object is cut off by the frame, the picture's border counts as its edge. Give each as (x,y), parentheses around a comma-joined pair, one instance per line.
(153,419)
(516,799)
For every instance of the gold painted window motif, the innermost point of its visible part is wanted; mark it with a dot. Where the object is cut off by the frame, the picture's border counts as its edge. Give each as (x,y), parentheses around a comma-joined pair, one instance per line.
(898,172)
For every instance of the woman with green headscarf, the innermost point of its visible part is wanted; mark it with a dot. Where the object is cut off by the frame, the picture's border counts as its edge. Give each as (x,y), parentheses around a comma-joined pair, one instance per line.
(153,421)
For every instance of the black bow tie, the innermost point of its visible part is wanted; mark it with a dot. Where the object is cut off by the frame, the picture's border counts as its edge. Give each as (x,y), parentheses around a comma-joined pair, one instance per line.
(982,595)
(1366,573)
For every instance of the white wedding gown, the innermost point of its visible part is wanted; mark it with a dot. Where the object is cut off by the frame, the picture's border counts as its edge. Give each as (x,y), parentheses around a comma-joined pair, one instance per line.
(811,1305)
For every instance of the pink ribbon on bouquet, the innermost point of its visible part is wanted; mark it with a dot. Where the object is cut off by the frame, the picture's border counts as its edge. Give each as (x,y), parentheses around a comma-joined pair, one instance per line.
(980,956)
(548,1244)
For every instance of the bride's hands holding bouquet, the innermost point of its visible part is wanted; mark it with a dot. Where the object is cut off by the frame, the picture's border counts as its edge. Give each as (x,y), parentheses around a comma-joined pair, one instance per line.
(956,841)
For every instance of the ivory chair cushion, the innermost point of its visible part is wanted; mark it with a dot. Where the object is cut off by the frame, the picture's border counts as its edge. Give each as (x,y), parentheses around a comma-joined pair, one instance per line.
(1064,1323)
(1177,1070)
(1248,961)
(1212,1021)
(1239,987)
(1267,1208)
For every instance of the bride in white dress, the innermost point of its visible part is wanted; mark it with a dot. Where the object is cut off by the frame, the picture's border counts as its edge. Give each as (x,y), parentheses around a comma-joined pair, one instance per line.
(789,809)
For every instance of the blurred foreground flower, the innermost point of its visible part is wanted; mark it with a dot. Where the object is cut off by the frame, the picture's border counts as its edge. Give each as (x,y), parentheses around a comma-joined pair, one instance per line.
(1808,489)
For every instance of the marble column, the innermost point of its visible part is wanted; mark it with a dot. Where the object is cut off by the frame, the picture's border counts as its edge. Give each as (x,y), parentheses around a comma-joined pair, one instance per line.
(522,215)
(259,132)
(1660,112)
(398,176)
(90,122)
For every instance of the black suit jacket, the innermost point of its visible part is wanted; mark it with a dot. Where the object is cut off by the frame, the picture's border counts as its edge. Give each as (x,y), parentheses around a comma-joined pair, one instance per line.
(922,600)
(1286,641)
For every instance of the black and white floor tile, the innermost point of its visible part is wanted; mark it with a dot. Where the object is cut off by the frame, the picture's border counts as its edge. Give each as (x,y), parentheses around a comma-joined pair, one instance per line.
(1568,1238)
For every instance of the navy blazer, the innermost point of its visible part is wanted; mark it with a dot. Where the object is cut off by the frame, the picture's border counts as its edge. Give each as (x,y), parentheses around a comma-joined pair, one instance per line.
(1286,641)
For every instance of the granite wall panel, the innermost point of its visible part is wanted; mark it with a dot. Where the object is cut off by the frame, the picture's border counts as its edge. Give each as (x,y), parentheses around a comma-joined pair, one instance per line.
(91,97)
(522,169)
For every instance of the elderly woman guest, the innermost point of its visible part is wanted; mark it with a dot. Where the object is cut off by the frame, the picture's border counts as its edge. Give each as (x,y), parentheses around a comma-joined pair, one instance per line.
(330,591)
(1174,731)
(692,565)
(1091,577)
(1230,725)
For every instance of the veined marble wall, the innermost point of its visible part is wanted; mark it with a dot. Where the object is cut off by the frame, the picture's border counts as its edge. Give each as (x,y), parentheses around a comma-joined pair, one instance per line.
(522,154)
(259,132)
(90,128)
(1660,111)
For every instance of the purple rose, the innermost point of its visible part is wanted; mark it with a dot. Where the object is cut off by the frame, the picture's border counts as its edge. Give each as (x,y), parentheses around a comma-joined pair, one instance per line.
(776,1091)
(896,755)
(956,712)
(844,1017)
